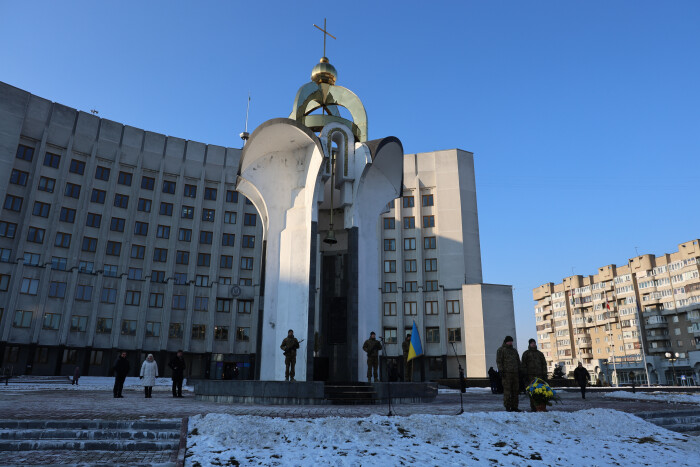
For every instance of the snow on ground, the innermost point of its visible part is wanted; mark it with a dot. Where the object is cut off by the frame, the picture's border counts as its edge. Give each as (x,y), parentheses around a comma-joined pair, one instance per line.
(586,438)
(90,383)
(671,398)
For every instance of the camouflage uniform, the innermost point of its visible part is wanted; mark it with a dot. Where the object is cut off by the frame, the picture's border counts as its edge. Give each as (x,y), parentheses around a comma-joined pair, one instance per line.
(407,373)
(508,363)
(372,347)
(534,366)
(290,346)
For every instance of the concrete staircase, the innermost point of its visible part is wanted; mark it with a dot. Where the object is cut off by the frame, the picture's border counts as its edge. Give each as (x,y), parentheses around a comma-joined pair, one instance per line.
(90,442)
(353,393)
(686,421)
(28,379)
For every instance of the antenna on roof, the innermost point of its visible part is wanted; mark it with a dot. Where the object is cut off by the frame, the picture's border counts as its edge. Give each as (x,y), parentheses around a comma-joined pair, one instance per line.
(245,135)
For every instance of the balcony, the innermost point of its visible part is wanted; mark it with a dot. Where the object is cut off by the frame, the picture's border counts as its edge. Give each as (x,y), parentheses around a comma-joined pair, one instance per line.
(669,311)
(656,326)
(647,301)
(657,338)
(660,349)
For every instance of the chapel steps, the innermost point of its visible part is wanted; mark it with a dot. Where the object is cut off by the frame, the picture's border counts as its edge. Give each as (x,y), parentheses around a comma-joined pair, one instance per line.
(350,393)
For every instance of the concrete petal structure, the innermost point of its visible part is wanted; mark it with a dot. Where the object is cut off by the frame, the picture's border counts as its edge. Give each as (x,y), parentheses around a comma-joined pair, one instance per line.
(279,173)
(286,171)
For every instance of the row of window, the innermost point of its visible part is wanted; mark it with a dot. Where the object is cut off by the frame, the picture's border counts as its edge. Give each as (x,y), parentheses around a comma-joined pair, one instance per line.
(14,203)
(429,243)
(51,322)
(408,222)
(110,270)
(431,308)
(411,265)
(410,201)
(63,240)
(57,289)
(410,286)
(432,335)
(52,160)
(160,255)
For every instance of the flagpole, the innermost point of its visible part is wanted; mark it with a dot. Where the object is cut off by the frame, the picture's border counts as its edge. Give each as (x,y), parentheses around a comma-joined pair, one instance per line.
(462,384)
(388,377)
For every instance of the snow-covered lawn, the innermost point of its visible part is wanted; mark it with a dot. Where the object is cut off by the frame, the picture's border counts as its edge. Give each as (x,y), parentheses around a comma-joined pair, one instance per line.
(585,438)
(90,383)
(671,398)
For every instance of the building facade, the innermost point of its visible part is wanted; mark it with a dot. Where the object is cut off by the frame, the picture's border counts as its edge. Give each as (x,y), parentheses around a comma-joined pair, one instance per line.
(115,238)
(630,319)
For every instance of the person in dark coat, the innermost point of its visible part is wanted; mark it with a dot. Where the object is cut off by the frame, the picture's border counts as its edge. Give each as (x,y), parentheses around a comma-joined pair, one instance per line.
(508,362)
(372,346)
(493,375)
(634,383)
(177,364)
(121,368)
(534,366)
(582,378)
(76,375)
(290,344)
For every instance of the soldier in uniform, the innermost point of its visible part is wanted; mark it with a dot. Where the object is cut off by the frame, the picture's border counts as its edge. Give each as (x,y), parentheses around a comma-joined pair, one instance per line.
(290,345)
(405,346)
(534,366)
(372,346)
(508,363)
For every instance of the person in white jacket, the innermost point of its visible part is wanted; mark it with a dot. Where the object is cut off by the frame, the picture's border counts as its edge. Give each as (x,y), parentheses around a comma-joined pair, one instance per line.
(149,373)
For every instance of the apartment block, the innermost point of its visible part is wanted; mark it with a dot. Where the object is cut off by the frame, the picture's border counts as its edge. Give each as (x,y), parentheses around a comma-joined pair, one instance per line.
(629,319)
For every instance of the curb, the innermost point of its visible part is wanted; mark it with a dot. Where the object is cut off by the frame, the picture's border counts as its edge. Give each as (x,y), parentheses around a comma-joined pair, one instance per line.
(180,462)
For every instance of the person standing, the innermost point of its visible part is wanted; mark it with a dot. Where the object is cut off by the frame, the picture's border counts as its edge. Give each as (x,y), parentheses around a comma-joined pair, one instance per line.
(634,383)
(493,375)
(177,364)
(372,346)
(290,344)
(76,375)
(508,363)
(582,378)
(121,368)
(149,373)
(534,366)
(405,346)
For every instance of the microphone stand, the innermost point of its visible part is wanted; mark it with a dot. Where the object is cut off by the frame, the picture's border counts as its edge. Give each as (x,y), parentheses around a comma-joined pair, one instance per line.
(462,383)
(388,377)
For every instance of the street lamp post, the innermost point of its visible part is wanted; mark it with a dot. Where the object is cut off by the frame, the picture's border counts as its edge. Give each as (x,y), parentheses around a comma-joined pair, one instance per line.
(672,357)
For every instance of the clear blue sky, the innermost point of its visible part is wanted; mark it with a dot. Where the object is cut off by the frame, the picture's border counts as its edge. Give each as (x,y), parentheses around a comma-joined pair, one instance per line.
(583,116)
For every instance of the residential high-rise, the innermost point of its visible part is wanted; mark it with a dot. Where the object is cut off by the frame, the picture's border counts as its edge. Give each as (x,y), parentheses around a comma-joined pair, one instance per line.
(623,317)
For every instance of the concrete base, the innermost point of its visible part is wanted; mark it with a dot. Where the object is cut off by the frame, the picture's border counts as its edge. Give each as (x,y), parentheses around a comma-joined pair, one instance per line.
(406,393)
(260,392)
(302,392)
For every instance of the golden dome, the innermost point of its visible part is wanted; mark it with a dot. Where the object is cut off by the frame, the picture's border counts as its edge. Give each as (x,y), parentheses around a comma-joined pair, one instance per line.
(324,72)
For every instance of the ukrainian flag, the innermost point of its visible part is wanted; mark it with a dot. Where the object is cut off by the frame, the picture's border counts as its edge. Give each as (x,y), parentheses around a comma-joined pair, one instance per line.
(416,349)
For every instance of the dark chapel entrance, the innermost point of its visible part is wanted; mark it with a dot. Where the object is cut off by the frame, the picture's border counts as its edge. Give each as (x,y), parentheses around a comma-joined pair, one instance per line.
(337,343)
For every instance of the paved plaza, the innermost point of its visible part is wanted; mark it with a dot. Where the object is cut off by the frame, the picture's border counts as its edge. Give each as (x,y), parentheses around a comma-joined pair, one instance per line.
(90,404)
(59,404)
